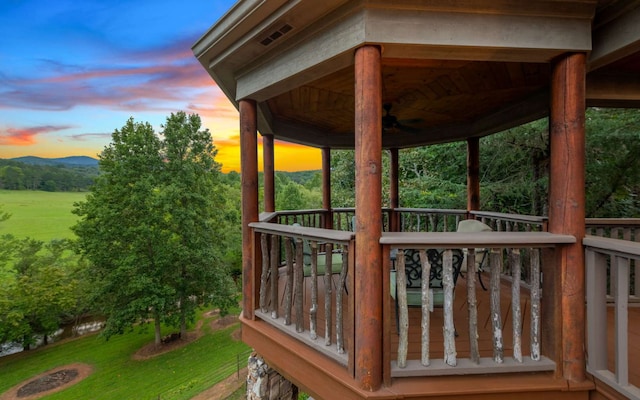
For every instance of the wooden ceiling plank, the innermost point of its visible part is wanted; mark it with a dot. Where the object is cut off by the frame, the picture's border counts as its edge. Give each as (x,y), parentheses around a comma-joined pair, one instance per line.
(501,75)
(516,75)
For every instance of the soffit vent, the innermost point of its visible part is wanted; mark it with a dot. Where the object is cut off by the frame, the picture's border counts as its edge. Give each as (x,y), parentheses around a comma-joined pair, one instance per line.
(275,35)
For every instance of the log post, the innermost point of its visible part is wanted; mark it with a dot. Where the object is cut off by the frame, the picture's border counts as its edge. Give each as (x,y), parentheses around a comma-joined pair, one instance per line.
(473,174)
(394,197)
(326,187)
(567,204)
(269,173)
(249,192)
(368,267)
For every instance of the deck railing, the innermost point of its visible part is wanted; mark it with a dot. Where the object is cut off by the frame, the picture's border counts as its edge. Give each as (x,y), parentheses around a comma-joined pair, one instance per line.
(608,263)
(303,287)
(429,220)
(310,218)
(624,229)
(295,241)
(425,220)
(502,222)
(614,228)
(474,363)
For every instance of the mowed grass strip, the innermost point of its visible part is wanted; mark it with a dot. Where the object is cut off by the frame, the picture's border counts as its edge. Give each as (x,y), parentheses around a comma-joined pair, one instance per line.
(179,374)
(39,215)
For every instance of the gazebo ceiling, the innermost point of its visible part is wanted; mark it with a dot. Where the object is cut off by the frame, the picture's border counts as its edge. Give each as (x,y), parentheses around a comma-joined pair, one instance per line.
(429,100)
(450,70)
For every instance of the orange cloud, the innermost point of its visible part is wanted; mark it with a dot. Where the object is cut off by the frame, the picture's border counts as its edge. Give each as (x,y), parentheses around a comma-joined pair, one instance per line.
(26,136)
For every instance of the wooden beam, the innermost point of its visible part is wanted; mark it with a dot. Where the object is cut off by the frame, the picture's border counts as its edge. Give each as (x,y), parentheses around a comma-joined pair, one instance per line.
(249,191)
(567,203)
(394,200)
(368,268)
(269,173)
(620,88)
(473,174)
(326,186)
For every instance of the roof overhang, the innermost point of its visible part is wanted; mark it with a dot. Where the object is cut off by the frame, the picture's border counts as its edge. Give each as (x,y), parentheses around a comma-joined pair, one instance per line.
(462,69)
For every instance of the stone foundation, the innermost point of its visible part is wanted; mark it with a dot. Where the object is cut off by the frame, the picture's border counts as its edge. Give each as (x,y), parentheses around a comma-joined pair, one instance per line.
(265,383)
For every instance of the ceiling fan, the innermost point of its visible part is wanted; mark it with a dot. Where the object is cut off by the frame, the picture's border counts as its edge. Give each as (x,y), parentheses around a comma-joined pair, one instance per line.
(390,123)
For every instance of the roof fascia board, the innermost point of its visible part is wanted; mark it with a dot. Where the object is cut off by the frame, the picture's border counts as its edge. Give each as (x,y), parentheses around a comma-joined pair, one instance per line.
(430,35)
(461,30)
(242,18)
(310,57)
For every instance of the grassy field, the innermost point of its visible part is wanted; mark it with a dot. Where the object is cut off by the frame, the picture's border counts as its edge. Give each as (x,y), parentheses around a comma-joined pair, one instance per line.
(179,374)
(39,215)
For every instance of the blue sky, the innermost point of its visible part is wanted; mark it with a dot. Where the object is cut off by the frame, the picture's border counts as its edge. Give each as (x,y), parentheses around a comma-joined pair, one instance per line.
(73,71)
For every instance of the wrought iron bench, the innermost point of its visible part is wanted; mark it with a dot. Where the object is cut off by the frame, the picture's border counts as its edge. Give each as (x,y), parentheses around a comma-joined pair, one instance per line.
(413,272)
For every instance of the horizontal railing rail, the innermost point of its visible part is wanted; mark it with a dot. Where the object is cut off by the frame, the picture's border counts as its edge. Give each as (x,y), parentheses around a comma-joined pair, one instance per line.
(303,285)
(614,228)
(498,242)
(608,262)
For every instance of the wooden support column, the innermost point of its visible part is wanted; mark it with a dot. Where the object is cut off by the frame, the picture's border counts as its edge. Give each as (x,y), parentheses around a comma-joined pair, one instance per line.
(249,193)
(567,205)
(326,187)
(473,174)
(368,266)
(269,173)
(394,200)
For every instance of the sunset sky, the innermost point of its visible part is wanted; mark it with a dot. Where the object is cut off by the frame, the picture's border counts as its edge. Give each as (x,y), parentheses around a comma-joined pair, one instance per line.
(71,72)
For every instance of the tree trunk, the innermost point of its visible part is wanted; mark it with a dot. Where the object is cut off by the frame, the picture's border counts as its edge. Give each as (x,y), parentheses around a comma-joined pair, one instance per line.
(158,340)
(183,319)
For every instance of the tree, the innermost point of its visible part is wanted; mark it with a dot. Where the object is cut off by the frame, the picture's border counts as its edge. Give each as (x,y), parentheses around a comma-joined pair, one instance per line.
(194,204)
(151,226)
(37,291)
(613,167)
(433,176)
(514,169)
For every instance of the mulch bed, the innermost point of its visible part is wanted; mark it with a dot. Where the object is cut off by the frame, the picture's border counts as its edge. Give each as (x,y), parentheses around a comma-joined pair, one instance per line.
(48,382)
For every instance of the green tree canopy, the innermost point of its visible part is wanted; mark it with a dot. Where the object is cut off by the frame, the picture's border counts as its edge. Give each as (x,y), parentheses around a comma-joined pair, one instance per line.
(38,290)
(153,226)
(514,169)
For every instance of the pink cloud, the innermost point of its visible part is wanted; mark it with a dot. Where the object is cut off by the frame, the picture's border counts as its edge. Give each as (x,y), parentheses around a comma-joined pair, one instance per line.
(83,137)
(27,136)
(145,81)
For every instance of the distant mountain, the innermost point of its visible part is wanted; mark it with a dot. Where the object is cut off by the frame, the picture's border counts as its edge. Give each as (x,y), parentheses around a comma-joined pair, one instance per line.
(73,161)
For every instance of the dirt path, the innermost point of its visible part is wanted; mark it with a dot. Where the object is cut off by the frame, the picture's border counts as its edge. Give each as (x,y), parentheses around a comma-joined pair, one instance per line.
(224,389)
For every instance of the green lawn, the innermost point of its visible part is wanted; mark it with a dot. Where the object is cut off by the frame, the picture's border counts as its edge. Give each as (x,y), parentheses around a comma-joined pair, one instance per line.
(179,374)
(39,215)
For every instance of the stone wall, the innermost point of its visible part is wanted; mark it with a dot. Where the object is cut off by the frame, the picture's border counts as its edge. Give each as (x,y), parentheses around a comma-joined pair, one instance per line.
(265,383)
